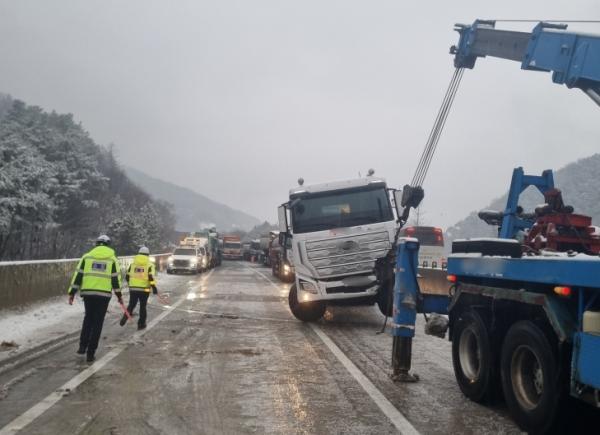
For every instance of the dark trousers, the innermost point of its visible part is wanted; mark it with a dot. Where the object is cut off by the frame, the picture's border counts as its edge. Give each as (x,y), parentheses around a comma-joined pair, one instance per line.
(95,310)
(134,297)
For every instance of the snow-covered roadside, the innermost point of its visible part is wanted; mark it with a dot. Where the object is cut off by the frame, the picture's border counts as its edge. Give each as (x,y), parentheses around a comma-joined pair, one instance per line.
(35,324)
(41,322)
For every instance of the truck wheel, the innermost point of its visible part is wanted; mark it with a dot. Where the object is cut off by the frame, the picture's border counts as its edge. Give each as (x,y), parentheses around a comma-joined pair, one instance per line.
(385,301)
(472,358)
(306,311)
(530,377)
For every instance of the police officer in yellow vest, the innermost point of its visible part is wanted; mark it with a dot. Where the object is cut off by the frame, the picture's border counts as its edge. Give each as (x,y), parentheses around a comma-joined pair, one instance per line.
(140,277)
(97,276)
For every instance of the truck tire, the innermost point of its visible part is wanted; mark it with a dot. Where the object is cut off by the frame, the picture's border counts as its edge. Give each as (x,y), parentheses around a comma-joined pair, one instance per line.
(385,300)
(530,378)
(474,364)
(306,311)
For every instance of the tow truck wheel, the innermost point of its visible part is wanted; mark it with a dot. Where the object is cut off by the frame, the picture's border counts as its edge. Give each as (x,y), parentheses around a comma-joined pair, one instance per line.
(530,377)
(472,358)
(306,311)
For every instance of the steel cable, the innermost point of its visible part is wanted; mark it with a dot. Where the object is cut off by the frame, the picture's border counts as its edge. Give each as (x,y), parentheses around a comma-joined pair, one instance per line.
(440,127)
(427,148)
(436,131)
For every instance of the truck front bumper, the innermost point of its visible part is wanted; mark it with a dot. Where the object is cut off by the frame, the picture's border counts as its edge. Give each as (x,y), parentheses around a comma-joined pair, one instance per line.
(349,287)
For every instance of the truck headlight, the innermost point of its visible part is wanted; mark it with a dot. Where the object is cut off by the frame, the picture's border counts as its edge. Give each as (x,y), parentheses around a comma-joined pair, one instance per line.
(308,287)
(204,261)
(286,269)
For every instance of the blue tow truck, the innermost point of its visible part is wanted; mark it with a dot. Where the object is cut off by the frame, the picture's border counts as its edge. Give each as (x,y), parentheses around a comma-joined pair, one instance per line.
(524,308)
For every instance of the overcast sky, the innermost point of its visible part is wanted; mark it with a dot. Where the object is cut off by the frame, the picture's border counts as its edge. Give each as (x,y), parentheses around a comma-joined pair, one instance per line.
(237,99)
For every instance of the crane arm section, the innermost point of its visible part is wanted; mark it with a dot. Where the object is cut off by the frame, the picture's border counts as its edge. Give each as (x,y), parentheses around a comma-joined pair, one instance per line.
(572,58)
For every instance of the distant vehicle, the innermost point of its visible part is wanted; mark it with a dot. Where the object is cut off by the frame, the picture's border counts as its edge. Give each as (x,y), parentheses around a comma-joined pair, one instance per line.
(256,253)
(207,243)
(213,249)
(232,248)
(280,254)
(184,260)
(246,255)
(431,242)
(203,258)
(194,240)
(265,243)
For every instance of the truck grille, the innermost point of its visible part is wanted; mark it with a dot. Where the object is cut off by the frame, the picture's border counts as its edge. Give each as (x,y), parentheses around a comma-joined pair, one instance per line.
(181,263)
(347,255)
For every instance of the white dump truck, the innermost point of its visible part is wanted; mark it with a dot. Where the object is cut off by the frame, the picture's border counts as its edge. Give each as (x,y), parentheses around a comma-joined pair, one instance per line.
(337,232)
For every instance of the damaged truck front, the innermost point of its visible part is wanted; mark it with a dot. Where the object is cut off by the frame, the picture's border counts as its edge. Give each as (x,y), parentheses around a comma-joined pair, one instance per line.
(338,231)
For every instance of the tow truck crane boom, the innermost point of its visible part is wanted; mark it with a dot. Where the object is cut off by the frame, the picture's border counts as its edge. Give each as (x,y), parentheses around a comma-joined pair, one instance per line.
(573,58)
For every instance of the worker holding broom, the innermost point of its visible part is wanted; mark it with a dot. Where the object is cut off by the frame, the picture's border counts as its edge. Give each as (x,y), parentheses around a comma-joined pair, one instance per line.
(140,277)
(97,276)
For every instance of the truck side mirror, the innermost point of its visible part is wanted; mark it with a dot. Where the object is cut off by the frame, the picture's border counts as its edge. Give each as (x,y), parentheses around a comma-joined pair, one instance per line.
(282,214)
(282,237)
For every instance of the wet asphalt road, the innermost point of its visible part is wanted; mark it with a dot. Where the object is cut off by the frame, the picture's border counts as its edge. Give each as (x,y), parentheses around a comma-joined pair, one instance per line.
(230,358)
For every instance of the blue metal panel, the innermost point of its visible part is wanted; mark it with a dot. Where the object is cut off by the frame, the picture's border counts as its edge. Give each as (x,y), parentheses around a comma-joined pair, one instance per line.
(587,359)
(435,304)
(572,57)
(511,223)
(405,289)
(576,272)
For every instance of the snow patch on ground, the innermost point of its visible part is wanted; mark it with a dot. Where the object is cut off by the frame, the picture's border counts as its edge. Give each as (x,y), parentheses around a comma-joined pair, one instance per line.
(35,324)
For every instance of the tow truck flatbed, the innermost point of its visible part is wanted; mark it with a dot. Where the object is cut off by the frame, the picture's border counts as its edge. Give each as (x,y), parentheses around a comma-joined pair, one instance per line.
(578,270)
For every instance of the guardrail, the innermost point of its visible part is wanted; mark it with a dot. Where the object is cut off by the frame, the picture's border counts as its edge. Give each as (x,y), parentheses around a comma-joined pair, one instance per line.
(24,282)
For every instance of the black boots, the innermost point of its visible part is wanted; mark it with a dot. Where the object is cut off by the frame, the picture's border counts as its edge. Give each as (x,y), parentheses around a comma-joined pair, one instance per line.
(90,357)
(123,320)
(81,350)
(141,326)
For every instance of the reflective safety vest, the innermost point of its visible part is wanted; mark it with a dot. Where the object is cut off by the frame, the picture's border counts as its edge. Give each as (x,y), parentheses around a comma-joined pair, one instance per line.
(98,267)
(139,273)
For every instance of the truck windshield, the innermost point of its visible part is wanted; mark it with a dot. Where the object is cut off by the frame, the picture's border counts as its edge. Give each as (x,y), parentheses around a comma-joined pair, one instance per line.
(233,245)
(343,208)
(180,251)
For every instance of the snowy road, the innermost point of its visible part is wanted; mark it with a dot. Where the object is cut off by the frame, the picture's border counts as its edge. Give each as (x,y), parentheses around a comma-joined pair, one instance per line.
(228,357)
